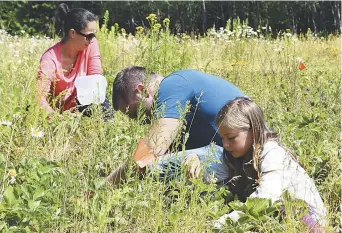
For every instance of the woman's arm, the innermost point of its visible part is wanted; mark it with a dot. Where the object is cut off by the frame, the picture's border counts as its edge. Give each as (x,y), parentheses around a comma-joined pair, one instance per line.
(94,58)
(46,73)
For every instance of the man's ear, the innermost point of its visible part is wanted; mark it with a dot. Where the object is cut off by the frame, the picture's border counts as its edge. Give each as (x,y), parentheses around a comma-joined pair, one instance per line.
(141,91)
(140,88)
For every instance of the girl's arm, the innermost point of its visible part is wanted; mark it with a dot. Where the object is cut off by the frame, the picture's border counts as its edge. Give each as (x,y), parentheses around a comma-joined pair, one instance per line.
(271,183)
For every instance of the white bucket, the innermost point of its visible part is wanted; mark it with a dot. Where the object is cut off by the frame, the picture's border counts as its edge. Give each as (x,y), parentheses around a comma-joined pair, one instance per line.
(91,89)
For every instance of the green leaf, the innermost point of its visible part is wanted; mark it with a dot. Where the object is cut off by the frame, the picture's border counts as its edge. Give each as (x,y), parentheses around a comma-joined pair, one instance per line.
(100,184)
(44,170)
(238,205)
(33,204)
(256,206)
(2,209)
(271,210)
(26,195)
(143,204)
(38,193)
(16,110)
(2,225)
(10,197)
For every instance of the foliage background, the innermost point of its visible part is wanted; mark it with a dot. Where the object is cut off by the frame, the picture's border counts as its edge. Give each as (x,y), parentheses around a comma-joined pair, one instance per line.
(186,16)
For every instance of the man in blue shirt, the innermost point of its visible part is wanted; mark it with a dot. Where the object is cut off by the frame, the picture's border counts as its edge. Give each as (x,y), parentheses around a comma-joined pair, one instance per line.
(184,98)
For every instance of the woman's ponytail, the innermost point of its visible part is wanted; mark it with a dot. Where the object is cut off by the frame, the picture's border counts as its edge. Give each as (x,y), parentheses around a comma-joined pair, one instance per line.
(60,17)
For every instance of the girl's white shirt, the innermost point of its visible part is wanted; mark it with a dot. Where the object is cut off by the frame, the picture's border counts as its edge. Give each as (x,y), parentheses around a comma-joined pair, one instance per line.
(279,172)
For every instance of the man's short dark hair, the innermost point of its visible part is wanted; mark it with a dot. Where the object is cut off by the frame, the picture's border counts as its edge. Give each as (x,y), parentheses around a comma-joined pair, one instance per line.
(126,82)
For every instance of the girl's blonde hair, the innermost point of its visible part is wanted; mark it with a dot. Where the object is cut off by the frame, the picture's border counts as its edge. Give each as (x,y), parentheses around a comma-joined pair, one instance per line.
(244,114)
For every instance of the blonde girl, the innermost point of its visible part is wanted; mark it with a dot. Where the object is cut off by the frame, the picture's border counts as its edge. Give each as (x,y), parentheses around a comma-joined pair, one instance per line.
(259,166)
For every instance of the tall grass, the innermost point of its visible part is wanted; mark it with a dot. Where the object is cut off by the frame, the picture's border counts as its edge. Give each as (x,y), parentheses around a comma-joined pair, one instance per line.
(57,185)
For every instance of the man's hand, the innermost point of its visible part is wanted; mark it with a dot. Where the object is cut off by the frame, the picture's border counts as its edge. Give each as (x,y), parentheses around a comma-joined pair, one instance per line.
(143,154)
(118,175)
(193,166)
(158,140)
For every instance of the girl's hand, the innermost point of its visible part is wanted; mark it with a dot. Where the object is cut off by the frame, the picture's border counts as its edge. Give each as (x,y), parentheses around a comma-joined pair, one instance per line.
(193,166)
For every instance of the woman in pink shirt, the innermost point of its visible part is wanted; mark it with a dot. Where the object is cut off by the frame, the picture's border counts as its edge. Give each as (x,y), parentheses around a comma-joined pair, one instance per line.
(77,54)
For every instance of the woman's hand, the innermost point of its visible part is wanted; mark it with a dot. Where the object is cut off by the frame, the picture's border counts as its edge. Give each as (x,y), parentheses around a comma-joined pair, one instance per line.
(193,166)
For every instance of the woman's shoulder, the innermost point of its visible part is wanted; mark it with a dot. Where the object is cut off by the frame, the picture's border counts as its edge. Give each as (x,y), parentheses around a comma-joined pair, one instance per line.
(93,48)
(51,53)
(94,44)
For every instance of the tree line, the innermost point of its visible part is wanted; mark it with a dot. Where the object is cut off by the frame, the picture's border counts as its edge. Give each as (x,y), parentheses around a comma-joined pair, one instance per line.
(322,17)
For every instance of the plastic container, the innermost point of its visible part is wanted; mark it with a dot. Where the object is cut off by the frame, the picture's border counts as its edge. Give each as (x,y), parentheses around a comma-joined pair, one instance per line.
(91,89)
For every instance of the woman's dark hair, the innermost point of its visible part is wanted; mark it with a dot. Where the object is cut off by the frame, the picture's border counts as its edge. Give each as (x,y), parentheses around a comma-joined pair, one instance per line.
(66,19)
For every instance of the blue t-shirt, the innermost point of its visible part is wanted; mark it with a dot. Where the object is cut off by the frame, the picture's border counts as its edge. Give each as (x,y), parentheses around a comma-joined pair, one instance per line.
(205,93)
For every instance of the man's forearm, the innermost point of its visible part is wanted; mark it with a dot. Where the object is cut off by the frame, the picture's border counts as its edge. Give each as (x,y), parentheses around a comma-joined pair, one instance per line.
(161,135)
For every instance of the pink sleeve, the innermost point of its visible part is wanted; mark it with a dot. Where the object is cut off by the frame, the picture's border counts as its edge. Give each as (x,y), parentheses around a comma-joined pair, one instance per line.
(94,62)
(46,75)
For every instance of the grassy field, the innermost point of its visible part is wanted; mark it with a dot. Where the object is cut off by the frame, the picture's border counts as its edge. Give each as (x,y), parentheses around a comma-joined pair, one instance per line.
(51,171)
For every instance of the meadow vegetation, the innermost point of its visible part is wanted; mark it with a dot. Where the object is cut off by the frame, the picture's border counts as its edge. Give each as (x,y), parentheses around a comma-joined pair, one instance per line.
(51,171)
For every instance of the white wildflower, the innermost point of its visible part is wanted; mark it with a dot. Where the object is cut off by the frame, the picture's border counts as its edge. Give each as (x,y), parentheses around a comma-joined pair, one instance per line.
(299,59)
(12,180)
(36,133)
(58,212)
(100,165)
(135,41)
(212,179)
(278,49)
(6,123)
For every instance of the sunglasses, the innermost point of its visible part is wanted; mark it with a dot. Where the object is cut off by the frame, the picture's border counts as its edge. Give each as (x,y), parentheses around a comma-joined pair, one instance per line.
(89,37)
